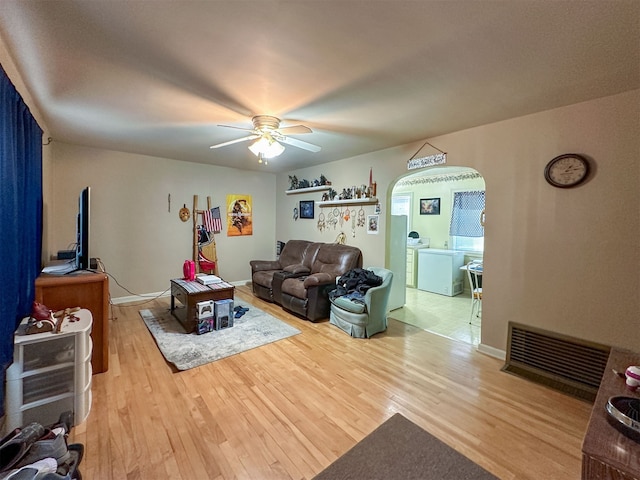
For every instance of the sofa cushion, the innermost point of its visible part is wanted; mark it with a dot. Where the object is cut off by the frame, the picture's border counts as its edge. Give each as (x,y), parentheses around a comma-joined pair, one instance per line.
(293,252)
(294,287)
(264,277)
(299,252)
(296,268)
(350,305)
(336,259)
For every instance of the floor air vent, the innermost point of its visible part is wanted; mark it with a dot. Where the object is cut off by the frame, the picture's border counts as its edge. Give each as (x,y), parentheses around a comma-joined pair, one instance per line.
(570,365)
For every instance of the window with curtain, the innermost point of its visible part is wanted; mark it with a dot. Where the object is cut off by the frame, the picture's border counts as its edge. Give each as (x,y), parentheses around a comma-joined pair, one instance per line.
(20,215)
(465,229)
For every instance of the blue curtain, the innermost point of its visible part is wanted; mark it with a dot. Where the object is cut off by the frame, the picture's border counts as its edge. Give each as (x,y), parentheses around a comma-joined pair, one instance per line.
(20,214)
(465,215)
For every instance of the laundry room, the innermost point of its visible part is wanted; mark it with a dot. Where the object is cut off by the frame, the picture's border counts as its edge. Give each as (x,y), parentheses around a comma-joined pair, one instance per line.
(444,207)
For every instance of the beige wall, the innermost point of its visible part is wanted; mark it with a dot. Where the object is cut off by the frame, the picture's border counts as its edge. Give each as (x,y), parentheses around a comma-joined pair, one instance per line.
(141,243)
(562,260)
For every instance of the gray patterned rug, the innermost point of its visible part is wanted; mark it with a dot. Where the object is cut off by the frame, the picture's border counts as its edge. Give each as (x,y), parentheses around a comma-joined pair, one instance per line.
(188,350)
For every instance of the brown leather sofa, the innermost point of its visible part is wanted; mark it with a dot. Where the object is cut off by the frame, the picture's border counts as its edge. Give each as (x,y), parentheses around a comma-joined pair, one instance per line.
(301,278)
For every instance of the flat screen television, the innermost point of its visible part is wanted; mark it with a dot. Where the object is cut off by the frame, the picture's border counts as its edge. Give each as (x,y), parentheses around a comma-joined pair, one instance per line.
(83,228)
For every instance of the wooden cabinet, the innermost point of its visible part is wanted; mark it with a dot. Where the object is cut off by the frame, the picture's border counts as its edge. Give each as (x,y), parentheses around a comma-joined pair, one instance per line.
(608,454)
(81,289)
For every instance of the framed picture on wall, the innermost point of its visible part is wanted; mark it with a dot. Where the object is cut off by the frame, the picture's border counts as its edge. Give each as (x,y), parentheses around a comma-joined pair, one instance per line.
(373,222)
(429,206)
(306,208)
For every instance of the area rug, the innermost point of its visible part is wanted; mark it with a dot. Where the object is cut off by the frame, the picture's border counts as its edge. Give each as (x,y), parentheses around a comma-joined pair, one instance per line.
(188,350)
(401,450)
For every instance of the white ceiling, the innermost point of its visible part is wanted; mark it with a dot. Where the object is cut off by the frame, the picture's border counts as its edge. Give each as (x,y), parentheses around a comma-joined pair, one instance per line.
(157,77)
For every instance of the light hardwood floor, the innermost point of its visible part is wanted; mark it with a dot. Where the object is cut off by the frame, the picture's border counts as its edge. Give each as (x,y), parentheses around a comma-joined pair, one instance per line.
(440,314)
(288,409)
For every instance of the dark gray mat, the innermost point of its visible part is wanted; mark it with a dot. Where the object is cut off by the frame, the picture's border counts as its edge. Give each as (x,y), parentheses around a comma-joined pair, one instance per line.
(400,450)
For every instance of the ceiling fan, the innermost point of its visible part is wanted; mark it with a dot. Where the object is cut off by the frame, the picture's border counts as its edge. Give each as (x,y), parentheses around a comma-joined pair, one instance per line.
(267,137)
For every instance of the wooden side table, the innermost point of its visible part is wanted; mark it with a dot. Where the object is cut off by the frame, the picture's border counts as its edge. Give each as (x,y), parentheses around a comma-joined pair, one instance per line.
(608,454)
(81,289)
(190,293)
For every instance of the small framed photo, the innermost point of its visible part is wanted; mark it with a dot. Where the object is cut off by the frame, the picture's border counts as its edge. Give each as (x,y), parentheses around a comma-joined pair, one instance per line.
(373,224)
(429,206)
(306,208)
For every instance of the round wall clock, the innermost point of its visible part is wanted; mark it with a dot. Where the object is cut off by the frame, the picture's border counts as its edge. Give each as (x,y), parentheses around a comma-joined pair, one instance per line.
(568,170)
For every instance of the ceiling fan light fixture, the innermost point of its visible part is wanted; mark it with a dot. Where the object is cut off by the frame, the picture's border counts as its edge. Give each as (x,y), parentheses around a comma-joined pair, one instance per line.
(264,147)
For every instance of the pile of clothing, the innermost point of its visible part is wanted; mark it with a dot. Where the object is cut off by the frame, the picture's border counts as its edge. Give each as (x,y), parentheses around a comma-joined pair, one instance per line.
(354,284)
(35,452)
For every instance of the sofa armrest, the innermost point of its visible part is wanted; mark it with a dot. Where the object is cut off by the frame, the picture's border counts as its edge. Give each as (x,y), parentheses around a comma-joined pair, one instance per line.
(317,279)
(376,298)
(259,265)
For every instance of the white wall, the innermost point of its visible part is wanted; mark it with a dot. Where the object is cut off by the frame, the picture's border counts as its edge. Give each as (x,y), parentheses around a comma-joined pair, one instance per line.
(141,243)
(561,260)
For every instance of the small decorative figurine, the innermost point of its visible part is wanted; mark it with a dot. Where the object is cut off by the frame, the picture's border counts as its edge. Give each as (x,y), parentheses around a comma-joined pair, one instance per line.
(633,377)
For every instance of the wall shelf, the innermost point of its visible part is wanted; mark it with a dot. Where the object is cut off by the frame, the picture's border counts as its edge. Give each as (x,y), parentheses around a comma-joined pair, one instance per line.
(308,190)
(352,201)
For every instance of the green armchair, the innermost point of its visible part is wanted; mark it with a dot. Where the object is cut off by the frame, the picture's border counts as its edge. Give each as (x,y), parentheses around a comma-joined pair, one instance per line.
(364,320)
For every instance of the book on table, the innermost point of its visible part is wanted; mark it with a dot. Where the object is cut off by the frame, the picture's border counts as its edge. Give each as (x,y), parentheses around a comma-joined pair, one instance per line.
(208,279)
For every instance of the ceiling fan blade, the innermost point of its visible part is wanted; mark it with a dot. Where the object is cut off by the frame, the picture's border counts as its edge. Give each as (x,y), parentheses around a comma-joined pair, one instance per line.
(298,143)
(237,140)
(294,130)
(237,128)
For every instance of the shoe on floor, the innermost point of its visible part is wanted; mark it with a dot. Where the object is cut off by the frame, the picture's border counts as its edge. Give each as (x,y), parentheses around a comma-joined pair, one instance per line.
(240,311)
(14,446)
(51,445)
(35,470)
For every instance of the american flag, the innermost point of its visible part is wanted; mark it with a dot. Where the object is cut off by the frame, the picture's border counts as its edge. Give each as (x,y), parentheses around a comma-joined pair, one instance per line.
(212,220)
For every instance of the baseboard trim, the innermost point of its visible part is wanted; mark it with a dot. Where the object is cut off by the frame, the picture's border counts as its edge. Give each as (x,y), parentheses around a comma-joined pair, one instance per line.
(166,293)
(492,352)
(135,298)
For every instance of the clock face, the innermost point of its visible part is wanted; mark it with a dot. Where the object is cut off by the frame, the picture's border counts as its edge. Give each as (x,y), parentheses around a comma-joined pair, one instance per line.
(567,170)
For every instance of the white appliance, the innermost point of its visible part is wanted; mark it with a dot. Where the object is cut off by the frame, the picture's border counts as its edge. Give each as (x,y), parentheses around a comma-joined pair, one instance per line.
(439,271)
(398,261)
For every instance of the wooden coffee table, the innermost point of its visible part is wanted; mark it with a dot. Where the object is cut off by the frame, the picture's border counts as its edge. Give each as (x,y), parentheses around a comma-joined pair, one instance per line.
(190,293)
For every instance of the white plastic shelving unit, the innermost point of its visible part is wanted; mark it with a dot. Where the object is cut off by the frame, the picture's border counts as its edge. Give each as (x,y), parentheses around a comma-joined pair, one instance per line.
(50,374)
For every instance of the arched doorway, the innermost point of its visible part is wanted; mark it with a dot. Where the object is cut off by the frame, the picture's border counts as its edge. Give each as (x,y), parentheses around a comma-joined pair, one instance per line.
(426,198)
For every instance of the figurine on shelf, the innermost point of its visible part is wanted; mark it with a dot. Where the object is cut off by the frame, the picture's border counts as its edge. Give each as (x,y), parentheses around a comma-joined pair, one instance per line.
(41,319)
(293,182)
(332,194)
(324,181)
(345,195)
(304,184)
(632,375)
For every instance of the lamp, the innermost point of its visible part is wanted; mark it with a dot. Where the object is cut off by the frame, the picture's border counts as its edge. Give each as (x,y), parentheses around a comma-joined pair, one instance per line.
(266,147)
